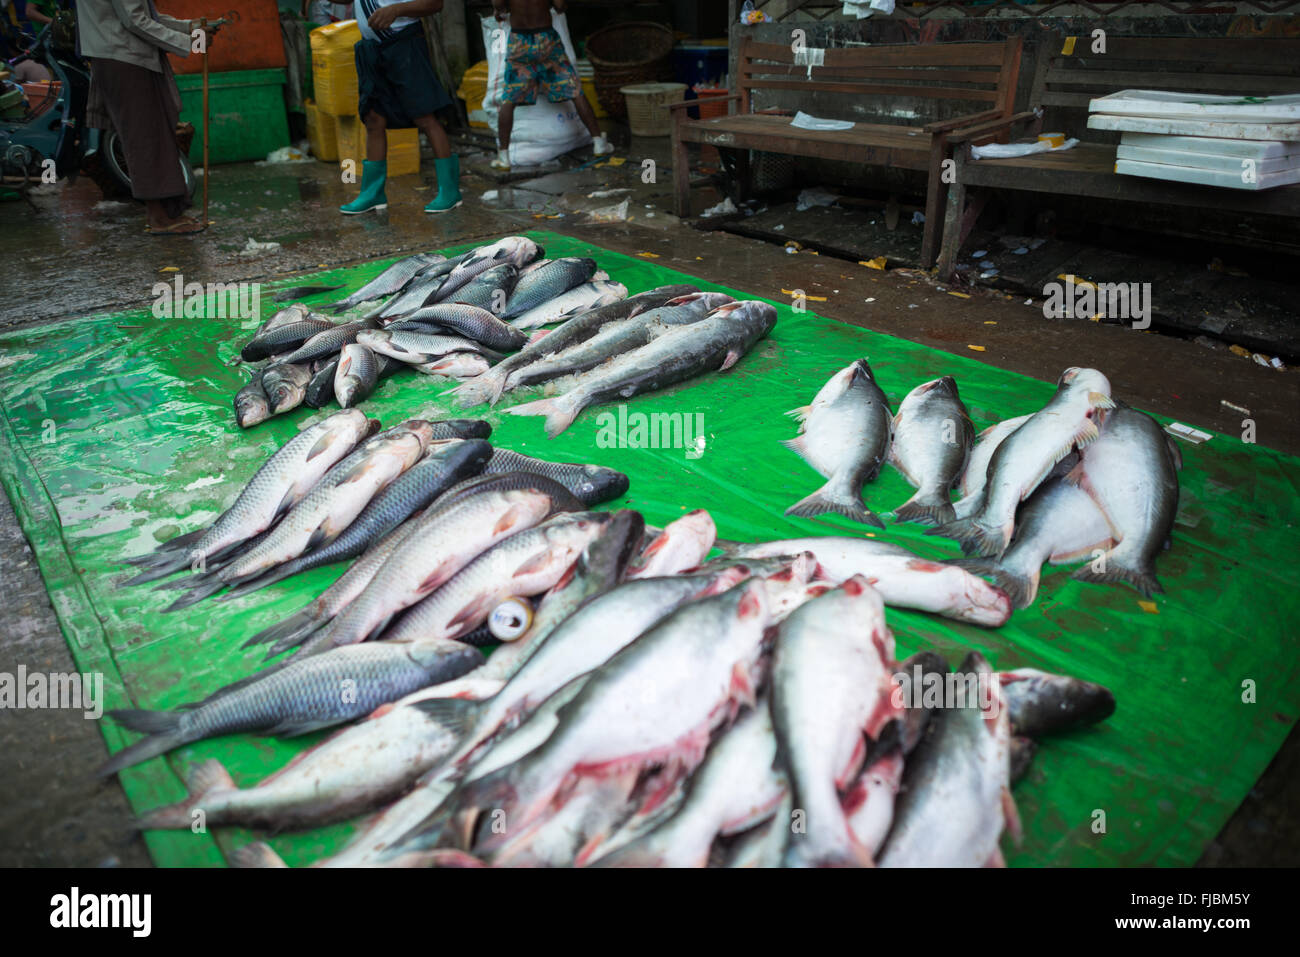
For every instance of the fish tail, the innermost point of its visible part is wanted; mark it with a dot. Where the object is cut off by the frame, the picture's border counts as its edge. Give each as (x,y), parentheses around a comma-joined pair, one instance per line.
(975,537)
(204,779)
(159,567)
(295,626)
(559,411)
(804,853)
(179,543)
(196,594)
(257,583)
(1021,589)
(257,854)
(1143,579)
(826,499)
(926,510)
(457,715)
(475,392)
(163,730)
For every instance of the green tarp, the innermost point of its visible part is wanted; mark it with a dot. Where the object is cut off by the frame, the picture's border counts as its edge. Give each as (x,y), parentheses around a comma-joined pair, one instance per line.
(118,433)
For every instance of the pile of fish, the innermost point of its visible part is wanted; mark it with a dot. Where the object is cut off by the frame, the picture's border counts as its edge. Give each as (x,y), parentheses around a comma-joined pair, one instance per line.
(471,318)
(1084,478)
(650,705)
(448,317)
(342,488)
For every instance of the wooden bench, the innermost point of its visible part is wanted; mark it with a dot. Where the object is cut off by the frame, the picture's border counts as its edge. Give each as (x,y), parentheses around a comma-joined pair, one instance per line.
(1067,77)
(976,78)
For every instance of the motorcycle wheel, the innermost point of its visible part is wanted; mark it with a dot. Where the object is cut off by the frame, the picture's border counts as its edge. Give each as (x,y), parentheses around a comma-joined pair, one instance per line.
(108,169)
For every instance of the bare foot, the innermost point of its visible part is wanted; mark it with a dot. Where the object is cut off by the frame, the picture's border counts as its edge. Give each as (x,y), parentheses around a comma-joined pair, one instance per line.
(181,226)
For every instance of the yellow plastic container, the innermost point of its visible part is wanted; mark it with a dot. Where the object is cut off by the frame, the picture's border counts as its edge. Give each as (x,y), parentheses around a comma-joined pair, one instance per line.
(588,79)
(334,67)
(473,88)
(1054,140)
(403,146)
(322,133)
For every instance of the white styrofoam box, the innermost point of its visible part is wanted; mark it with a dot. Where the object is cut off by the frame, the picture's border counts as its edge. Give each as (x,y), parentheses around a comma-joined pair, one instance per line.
(544,130)
(1252,149)
(1200,106)
(1289,132)
(1232,164)
(1207,177)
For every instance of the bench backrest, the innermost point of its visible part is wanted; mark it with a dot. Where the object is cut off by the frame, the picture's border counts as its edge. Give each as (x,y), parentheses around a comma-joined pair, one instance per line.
(979,73)
(1068,74)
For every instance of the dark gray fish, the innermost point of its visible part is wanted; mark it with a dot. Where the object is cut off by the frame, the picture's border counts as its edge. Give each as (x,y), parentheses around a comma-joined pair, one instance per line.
(444,465)
(251,404)
(321,388)
(470,321)
(422,291)
(285,385)
(469,429)
(713,344)
(932,439)
(391,280)
(546,282)
(303,696)
(282,339)
(518,251)
(294,293)
(1022,756)
(1042,703)
(579,329)
(845,437)
(489,290)
(356,375)
(329,341)
(590,484)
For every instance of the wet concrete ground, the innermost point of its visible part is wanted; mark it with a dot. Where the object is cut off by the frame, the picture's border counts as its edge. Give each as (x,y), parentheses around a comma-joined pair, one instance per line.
(75,255)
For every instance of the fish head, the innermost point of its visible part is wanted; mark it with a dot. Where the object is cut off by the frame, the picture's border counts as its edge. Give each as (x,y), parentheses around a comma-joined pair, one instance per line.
(445,656)
(1084,380)
(420,429)
(599,484)
(944,385)
(985,604)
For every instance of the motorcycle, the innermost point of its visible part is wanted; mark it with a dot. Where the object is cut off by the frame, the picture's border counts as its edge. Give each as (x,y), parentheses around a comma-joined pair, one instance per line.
(58,131)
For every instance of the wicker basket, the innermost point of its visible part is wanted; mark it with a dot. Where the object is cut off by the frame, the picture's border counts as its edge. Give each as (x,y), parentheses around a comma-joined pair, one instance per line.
(647,107)
(624,54)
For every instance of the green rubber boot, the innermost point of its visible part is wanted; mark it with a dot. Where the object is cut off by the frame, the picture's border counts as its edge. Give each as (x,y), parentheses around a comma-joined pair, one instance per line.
(448,197)
(374,174)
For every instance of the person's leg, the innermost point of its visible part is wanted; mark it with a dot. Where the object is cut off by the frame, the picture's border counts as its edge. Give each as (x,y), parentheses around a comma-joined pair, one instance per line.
(445,164)
(437,136)
(376,137)
(563,84)
(599,144)
(505,124)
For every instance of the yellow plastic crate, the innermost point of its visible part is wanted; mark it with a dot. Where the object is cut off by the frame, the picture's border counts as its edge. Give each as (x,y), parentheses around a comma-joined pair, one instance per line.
(334,67)
(403,146)
(322,133)
(473,88)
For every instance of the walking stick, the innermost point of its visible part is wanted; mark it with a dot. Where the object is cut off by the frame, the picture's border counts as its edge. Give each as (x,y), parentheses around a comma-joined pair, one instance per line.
(203,25)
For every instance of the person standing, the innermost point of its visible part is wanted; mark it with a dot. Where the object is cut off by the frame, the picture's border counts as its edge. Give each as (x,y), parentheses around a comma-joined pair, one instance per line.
(537,63)
(133,91)
(398,89)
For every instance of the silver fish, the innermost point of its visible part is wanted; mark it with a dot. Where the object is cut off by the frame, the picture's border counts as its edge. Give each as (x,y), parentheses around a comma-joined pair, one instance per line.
(680,545)
(303,696)
(251,404)
(1027,456)
(489,290)
(356,374)
(546,283)
(845,437)
(466,320)
(515,250)
(932,440)
(1131,472)
(391,280)
(285,385)
(576,330)
(418,347)
(955,799)
(580,299)
(455,365)
(592,484)
(714,344)
(975,475)
(832,684)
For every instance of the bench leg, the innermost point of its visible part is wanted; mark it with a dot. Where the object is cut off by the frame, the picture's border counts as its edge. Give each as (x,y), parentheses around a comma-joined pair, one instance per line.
(681,177)
(963,213)
(936,193)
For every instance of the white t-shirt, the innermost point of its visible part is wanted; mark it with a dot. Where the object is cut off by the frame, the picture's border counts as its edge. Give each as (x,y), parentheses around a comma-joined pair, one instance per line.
(363,8)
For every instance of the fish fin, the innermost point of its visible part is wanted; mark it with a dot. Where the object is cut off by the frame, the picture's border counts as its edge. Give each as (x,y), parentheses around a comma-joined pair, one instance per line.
(1083,437)
(925,512)
(1144,580)
(1175,453)
(303,623)
(162,728)
(536,336)
(799,446)
(255,582)
(996,859)
(292,728)
(824,500)
(1012,815)
(1081,554)
(196,594)
(183,542)
(732,357)
(976,537)
(293,637)
(474,611)
(204,778)
(558,415)
(534,564)
(1021,589)
(457,715)
(163,566)
(800,414)
(1100,400)
(257,854)
(322,445)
